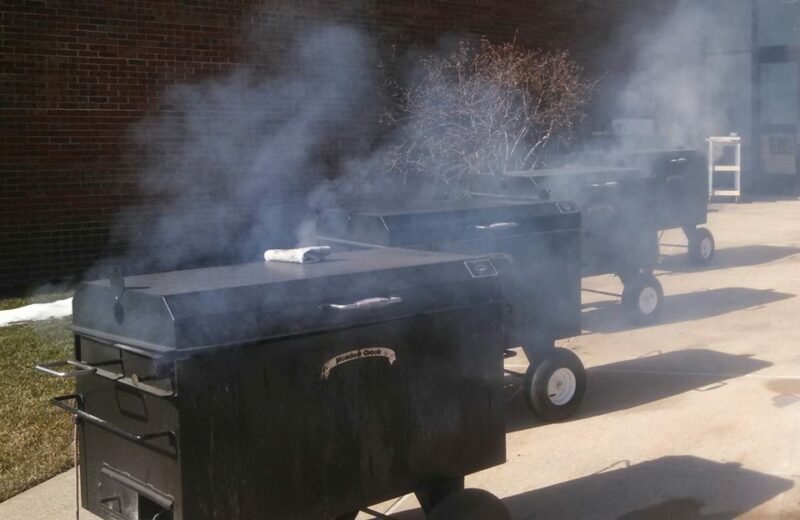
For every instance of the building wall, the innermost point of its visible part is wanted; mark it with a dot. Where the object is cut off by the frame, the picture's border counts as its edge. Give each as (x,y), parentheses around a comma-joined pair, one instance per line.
(728,75)
(75,75)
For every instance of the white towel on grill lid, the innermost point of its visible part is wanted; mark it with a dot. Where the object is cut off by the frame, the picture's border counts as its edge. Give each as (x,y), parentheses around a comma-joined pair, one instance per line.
(300,255)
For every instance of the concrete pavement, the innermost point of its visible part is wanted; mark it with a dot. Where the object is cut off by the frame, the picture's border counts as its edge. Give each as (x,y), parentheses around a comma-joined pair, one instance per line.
(697,416)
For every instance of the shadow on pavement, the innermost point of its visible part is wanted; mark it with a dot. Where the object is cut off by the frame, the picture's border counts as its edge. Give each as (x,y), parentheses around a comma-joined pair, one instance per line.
(635,382)
(608,316)
(791,195)
(668,488)
(725,258)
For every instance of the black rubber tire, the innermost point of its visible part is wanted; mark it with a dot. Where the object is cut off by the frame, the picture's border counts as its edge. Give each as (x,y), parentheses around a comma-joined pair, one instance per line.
(699,254)
(429,496)
(470,504)
(538,376)
(636,304)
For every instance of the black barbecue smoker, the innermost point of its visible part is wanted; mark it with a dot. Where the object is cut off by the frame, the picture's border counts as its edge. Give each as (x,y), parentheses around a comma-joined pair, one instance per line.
(537,244)
(298,391)
(625,204)
(680,183)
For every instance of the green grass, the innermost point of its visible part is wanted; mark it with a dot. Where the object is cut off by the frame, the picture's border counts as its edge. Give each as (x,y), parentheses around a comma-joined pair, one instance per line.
(35,437)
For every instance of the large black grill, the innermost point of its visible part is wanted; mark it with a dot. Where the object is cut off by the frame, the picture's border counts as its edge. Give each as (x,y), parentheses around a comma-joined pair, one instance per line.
(287,391)
(625,200)
(618,223)
(538,243)
(680,182)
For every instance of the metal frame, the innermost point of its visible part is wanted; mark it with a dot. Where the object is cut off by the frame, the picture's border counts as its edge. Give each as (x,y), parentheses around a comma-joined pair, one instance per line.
(77,411)
(735,169)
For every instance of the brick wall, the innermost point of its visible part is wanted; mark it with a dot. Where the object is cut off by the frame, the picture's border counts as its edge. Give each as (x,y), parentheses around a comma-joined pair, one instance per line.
(75,75)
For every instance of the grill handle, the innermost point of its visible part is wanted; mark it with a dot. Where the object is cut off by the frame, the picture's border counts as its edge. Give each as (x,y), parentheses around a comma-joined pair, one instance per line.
(102,423)
(368,303)
(497,226)
(87,370)
(49,368)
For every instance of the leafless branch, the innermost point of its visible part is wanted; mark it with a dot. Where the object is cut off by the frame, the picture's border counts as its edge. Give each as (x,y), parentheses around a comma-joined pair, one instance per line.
(485,109)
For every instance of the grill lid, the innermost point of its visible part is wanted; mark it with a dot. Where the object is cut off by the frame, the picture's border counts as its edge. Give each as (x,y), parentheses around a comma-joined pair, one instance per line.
(477,218)
(229,305)
(586,186)
(561,182)
(587,172)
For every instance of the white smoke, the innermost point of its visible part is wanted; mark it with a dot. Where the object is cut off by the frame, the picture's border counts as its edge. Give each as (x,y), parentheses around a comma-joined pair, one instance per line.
(692,74)
(229,160)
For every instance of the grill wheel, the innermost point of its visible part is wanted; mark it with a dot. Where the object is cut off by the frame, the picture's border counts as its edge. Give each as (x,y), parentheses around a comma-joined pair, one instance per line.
(554,384)
(642,298)
(470,504)
(701,247)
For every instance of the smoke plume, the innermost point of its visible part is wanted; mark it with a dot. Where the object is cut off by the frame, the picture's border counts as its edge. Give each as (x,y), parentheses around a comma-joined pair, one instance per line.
(691,74)
(229,160)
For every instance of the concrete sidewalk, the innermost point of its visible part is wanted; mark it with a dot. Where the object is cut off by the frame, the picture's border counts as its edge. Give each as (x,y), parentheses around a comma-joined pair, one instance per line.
(695,417)
(52,500)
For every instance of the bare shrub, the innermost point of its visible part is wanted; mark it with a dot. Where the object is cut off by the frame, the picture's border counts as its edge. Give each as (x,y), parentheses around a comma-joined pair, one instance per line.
(485,109)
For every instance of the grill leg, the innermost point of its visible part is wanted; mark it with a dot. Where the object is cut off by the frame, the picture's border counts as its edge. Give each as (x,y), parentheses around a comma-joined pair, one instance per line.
(432,494)
(628,276)
(538,345)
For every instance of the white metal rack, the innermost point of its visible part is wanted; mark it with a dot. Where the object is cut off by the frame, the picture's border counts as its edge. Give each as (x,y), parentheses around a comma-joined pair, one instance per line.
(714,146)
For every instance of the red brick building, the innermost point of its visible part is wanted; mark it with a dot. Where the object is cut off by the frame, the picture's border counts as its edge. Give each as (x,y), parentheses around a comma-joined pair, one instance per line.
(75,75)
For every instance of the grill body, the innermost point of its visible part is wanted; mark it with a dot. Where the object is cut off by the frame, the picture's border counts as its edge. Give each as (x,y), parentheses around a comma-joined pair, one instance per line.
(624,202)
(540,239)
(619,226)
(680,182)
(259,391)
